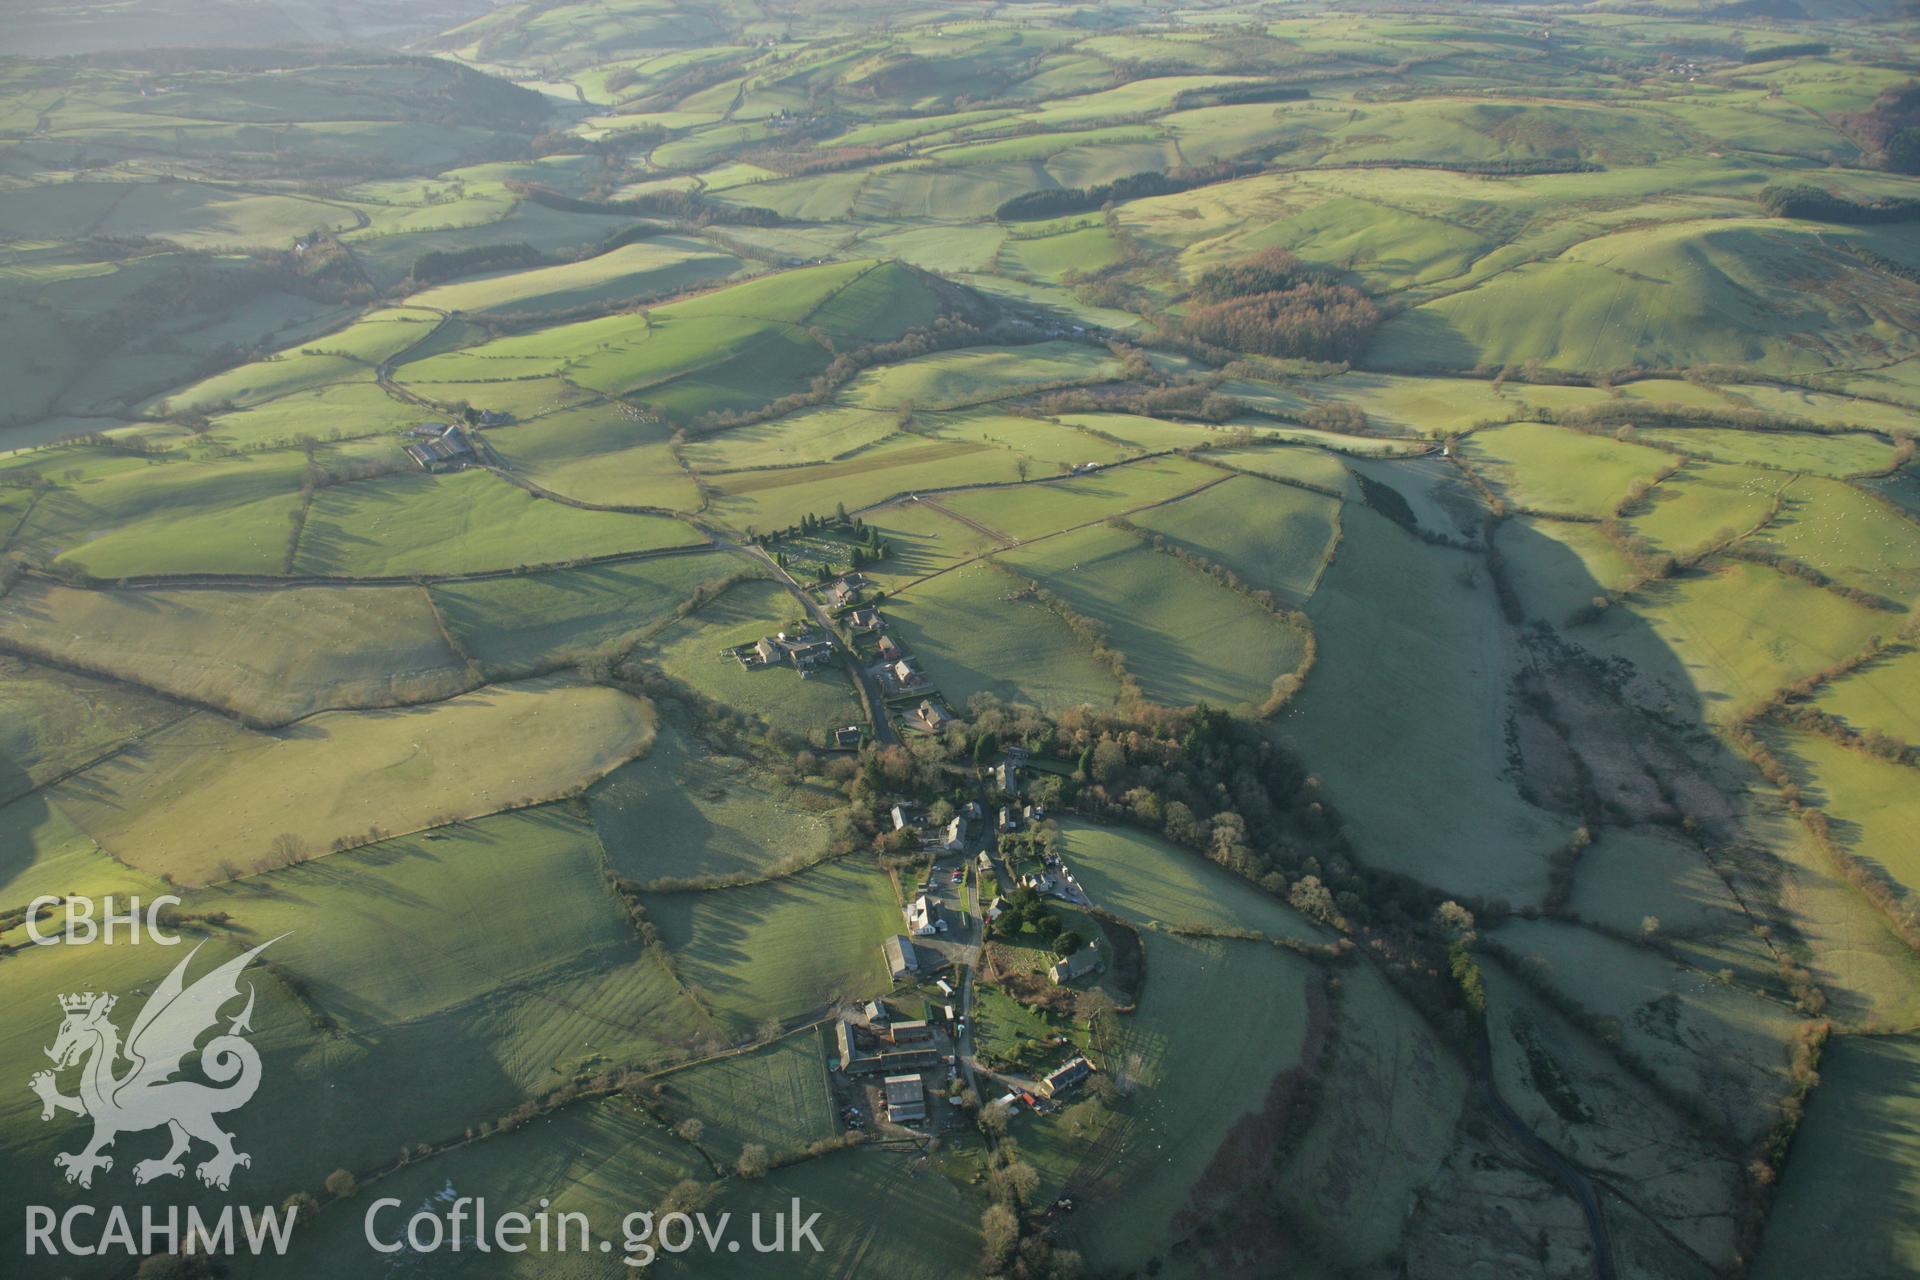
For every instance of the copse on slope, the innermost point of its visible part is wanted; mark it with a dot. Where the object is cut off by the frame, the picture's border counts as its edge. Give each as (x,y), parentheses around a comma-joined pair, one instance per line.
(1272,304)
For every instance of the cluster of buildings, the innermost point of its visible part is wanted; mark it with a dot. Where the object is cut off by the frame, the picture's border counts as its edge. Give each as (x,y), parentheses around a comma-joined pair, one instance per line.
(438,446)
(803,651)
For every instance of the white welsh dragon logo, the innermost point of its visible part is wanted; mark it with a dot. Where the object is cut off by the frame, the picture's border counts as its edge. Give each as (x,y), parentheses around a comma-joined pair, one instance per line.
(146,1096)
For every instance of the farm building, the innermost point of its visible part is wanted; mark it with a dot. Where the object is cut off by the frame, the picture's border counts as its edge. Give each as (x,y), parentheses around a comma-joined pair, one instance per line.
(899,1047)
(803,651)
(439,446)
(1079,964)
(906,1099)
(1066,1078)
(900,956)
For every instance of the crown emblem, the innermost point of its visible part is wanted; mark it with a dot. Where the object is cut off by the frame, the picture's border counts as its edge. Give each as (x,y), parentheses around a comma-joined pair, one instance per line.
(85,1000)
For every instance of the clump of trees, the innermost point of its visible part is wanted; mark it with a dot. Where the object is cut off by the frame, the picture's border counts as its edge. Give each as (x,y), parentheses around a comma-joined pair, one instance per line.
(1272,304)
(1818,204)
(1891,126)
(449,264)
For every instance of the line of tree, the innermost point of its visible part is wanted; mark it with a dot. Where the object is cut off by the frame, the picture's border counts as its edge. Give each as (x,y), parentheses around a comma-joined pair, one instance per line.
(1775,52)
(1240,95)
(1064,200)
(449,264)
(686,206)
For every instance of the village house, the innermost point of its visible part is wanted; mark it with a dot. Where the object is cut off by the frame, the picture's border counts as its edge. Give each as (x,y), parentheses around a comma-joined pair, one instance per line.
(890,649)
(865,620)
(1006,777)
(956,835)
(846,590)
(923,917)
(905,673)
(1066,1078)
(1009,818)
(903,816)
(848,737)
(1082,962)
(811,653)
(928,717)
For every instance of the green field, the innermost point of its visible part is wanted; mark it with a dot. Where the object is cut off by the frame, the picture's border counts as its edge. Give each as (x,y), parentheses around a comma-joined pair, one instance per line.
(1705,505)
(1720,1045)
(966,627)
(1854,1160)
(1883,695)
(780,950)
(1153,883)
(528,620)
(1550,469)
(1435,455)
(1027,511)
(468,522)
(1186,638)
(1720,639)
(694,650)
(270,656)
(1277,538)
(1854,538)
(690,808)
(1157,1155)
(203,798)
(1408,692)
(598,454)
(776,1096)
(56,722)
(660,266)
